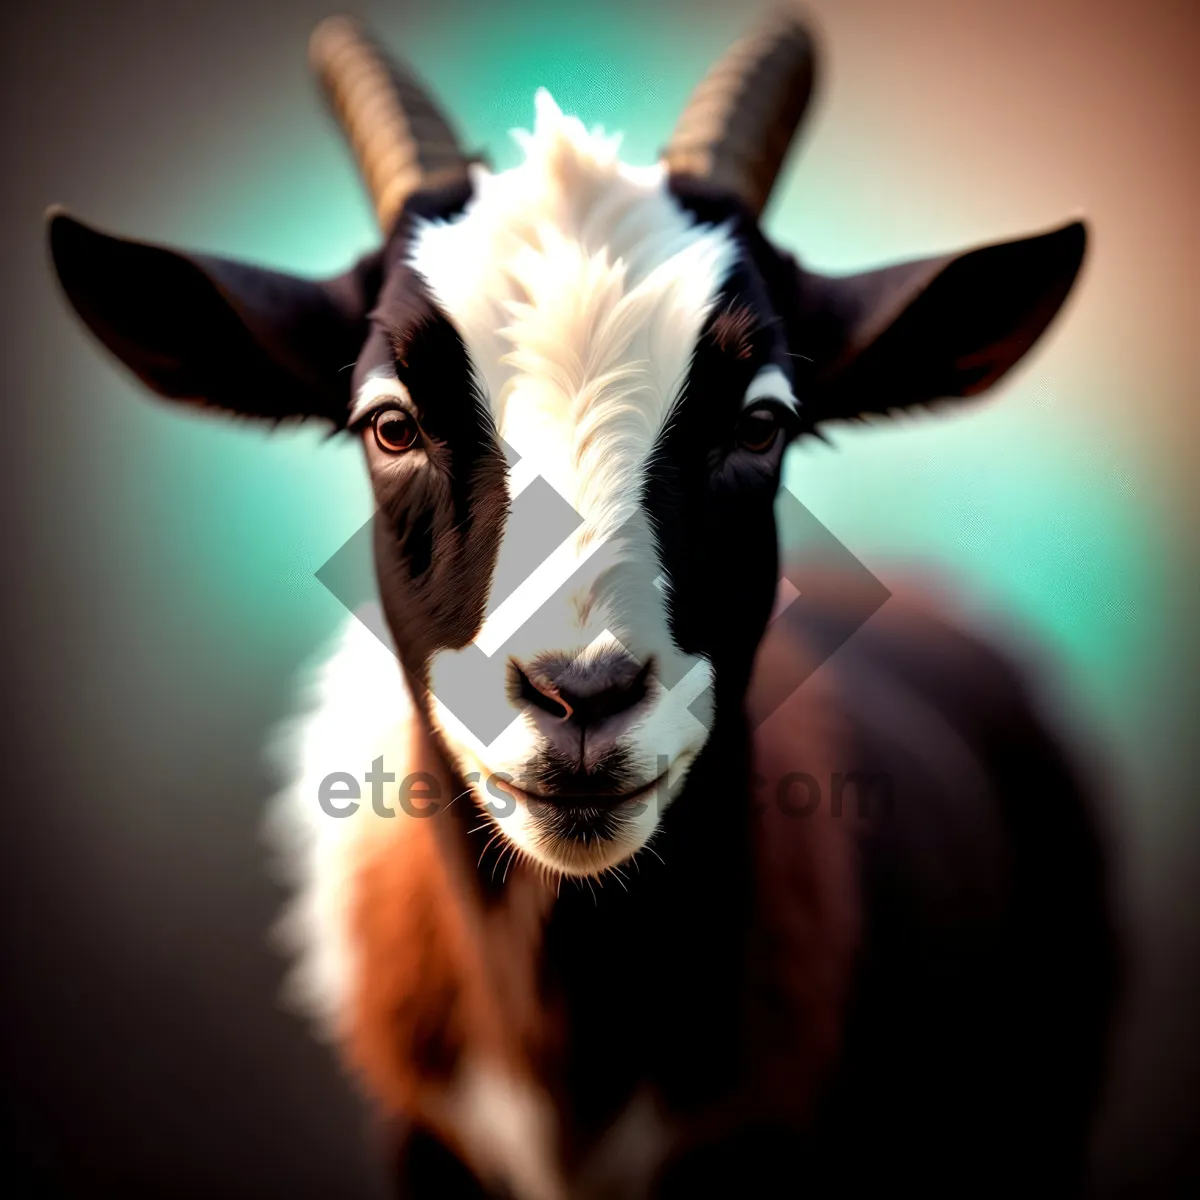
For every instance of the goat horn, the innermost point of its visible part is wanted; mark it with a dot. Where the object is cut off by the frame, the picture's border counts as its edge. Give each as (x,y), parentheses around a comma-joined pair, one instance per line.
(401,139)
(740,121)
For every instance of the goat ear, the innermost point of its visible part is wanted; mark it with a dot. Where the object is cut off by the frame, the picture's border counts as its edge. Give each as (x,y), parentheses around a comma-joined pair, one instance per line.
(933,328)
(216,332)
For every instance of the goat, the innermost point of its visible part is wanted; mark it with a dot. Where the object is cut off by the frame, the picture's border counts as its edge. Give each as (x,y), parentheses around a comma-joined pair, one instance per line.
(584,959)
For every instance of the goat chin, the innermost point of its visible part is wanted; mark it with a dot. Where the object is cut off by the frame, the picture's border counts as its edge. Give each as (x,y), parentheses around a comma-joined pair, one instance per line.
(578,842)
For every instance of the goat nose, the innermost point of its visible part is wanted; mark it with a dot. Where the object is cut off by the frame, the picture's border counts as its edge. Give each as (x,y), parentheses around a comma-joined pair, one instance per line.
(582,693)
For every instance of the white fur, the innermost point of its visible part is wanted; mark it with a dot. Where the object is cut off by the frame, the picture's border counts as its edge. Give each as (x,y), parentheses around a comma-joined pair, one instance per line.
(770,384)
(380,387)
(509,1127)
(357,709)
(580,288)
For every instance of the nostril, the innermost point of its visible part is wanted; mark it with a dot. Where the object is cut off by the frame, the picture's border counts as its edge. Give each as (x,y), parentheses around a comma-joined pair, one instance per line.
(612,699)
(584,694)
(540,694)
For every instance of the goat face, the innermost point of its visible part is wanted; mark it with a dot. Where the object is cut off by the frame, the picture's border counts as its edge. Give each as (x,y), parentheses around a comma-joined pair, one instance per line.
(574,410)
(574,385)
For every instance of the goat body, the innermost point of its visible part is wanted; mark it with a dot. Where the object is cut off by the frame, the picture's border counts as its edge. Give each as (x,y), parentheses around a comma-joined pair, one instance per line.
(913,988)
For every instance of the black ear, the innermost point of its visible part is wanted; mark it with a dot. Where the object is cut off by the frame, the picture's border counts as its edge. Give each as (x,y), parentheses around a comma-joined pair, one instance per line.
(932,328)
(217,332)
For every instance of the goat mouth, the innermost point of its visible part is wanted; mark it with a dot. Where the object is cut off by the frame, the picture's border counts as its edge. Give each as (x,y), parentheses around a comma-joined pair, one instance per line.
(584,836)
(580,825)
(587,818)
(585,800)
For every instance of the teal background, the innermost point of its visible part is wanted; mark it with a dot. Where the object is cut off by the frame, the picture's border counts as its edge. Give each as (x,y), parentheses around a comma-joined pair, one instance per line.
(161,590)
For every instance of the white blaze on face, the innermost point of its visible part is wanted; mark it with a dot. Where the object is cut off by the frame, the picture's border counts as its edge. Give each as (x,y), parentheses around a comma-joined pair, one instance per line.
(580,288)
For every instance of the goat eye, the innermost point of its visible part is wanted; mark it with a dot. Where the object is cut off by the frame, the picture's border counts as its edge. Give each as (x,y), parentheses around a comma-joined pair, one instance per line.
(395,431)
(757,430)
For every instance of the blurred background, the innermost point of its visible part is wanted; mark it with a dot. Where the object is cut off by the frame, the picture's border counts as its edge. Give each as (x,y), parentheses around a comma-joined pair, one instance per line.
(159,586)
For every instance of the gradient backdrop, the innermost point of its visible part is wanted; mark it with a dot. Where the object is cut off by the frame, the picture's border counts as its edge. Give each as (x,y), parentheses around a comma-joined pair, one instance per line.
(159,590)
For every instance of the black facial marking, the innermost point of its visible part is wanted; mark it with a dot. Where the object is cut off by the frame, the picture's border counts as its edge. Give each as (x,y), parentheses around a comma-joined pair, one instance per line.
(807,332)
(712,477)
(420,555)
(442,504)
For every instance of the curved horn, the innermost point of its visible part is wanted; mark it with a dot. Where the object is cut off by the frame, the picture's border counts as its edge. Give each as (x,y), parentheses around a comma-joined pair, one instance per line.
(401,139)
(739,122)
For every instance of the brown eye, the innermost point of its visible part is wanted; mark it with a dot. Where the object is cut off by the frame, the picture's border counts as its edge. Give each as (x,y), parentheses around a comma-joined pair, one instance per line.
(757,430)
(395,431)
